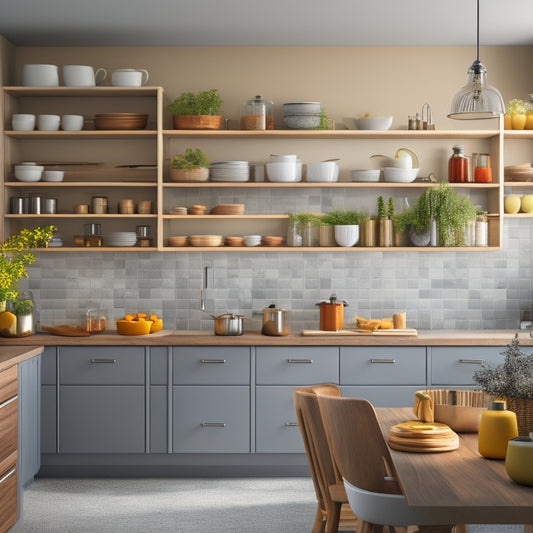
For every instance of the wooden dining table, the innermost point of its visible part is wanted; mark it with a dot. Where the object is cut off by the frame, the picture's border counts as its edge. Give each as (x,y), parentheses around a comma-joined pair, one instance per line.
(459,486)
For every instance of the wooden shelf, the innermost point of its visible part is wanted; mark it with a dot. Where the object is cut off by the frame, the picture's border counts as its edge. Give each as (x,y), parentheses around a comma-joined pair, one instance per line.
(325,249)
(92,184)
(82,134)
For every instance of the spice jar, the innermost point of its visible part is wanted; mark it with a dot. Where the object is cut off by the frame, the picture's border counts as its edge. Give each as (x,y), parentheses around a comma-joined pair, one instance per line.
(99,205)
(458,165)
(257,114)
(92,235)
(482,170)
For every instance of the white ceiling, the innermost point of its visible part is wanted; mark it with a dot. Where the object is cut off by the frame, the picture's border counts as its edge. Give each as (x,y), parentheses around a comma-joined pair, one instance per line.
(265,22)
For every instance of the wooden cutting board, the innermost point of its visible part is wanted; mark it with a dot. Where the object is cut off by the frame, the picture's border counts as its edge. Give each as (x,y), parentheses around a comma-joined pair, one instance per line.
(416,436)
(345,332)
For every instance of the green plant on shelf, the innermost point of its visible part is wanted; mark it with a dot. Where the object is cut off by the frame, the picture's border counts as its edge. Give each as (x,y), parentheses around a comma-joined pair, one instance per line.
(200,103)
(340,217)
(190,159)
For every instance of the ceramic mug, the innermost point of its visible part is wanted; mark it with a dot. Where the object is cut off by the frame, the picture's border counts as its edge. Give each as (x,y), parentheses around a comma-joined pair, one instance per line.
(40,76)
(48,122)
(129,77)
(82,75)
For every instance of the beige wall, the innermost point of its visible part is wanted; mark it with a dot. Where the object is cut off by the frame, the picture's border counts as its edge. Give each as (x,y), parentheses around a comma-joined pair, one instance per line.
(347,80)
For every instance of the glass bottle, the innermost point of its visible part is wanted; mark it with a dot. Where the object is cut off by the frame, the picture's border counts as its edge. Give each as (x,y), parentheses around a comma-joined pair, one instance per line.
(257,114)
(458,165)
(482,170)
(482,230)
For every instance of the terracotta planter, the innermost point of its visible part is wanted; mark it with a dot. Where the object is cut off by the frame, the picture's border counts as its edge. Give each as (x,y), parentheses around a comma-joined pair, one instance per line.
(196,122)
(189,174)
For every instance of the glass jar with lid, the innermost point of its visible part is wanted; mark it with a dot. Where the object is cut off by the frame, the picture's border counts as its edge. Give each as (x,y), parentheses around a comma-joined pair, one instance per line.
(458,165)
(257,114)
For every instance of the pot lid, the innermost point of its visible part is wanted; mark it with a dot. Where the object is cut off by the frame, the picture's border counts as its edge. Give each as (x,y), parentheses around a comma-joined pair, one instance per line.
(333,300)
(227,315)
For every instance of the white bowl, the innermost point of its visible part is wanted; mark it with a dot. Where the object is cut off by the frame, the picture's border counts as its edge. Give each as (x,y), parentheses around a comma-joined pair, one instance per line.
(282,171)
(28,172)
(365,175)
(23,122)
(325,171)
(301,108)
(373,123)
(400,175)
(252,240)
(53,175)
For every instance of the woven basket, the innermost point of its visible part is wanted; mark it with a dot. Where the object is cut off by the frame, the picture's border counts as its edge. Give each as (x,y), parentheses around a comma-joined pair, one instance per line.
(523,408)
(191,174)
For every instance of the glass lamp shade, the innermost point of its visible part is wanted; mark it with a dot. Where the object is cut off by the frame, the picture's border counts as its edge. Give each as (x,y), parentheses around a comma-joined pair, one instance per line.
(476,100)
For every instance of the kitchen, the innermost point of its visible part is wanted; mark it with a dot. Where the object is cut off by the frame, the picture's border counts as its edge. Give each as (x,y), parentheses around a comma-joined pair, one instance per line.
(441,290)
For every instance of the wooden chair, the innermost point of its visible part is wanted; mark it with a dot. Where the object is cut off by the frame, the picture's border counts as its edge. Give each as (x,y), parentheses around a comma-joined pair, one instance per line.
(363,458)
(332,503)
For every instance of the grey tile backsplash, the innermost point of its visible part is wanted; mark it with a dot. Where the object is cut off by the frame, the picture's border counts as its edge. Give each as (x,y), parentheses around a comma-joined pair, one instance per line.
(439,290)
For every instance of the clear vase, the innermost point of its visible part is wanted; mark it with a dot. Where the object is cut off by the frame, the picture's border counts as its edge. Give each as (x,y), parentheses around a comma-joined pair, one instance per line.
(22,311)
(294,234)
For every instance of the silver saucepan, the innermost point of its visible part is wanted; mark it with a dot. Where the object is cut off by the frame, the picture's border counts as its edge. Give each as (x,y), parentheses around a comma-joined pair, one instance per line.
(228,324)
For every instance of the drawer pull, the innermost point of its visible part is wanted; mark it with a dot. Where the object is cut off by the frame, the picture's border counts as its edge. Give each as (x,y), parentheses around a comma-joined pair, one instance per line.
(216,361)
(10,473)
(389,361)
(291,424)
(7,402)
(305,361)
(471,361)
(213,424)
(103,361)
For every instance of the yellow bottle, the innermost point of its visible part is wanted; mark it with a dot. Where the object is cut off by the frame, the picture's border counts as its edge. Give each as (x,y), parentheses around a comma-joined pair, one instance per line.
(496,428)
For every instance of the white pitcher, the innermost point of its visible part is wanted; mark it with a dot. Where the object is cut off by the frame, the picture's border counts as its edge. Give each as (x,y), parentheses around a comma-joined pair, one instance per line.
(82,75)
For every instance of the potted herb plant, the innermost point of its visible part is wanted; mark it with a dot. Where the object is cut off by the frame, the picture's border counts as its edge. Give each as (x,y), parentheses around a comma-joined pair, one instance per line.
(512,381)
(440,216)
(309,223)
(196,111)
(193,165)
(346,226)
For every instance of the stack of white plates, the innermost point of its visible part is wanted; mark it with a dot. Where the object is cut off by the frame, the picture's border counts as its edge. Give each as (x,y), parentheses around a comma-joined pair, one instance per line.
(121,238)
(230,171)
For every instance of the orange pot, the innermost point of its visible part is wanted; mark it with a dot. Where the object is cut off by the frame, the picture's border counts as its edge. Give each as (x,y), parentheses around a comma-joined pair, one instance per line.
(332,314)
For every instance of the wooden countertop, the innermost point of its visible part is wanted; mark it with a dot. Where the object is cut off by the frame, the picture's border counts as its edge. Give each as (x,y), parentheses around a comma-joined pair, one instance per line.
(12,355)
(208,338)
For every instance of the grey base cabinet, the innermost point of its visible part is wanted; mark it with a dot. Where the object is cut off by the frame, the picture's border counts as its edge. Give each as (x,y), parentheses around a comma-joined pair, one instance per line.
(210,410)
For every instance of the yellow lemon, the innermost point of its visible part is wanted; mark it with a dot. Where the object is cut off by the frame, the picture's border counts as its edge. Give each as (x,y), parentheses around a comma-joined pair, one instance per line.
(526,203)
(405,152)
(8,323)
(511,204)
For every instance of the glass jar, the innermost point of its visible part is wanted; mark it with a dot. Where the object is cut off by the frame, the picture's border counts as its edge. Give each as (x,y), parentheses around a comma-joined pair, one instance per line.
(92,235)
(482,230)
(458,165)
(294,233)
(257,114)
(481,168)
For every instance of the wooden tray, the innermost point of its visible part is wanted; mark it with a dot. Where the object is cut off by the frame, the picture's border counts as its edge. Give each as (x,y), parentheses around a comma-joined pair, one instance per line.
(354,332)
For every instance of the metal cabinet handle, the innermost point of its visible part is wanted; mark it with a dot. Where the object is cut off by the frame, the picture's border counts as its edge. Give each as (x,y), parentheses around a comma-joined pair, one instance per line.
(291,424)
(213,424)
(471,361)
(306,361)
(10,473)
(218,361)
(103,361)
(383,361)
(7,402)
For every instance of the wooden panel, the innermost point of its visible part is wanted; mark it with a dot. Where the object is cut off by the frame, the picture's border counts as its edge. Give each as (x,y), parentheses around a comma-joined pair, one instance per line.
(8,497)
(8,384)
(8,428)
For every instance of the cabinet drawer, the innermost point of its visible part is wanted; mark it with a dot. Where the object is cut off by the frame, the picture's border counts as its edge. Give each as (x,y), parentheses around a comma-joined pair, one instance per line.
(211,419)
(211,365)
(8,383)
(297,365)
(383,396)
(8,427)
(455,365)
(109,419)
(101,365)
(383,365)
(8,497)
(276,426)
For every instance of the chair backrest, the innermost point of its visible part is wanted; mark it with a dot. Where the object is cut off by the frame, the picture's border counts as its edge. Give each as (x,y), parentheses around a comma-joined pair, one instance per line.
(323,469)
(357,443)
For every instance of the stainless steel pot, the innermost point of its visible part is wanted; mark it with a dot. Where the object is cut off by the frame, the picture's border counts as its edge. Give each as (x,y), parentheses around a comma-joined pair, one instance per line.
(228,324)
(274,321)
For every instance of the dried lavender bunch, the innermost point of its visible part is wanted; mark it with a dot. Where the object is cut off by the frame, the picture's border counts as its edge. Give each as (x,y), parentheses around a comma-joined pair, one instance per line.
(512,379)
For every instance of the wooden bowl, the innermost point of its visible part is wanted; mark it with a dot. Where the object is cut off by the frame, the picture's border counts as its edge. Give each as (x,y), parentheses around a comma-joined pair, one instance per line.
(205,240)
(181,240)
(196,210)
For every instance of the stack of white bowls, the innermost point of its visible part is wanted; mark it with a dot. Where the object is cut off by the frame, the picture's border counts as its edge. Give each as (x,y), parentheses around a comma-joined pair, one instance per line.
(230,171)
(301,115)
(121,238)
(252,240)
(284,168)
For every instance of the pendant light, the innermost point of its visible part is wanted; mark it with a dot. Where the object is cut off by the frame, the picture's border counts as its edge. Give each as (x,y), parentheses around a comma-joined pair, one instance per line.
(476,100)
